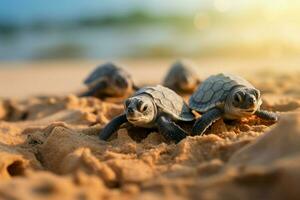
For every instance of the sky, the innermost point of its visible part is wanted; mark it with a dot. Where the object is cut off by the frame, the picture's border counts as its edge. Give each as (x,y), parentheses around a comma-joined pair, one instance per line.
(28,10)
(266,23)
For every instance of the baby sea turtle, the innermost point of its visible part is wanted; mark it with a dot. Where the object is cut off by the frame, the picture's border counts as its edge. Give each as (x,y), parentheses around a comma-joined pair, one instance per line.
(109,80)
(150,107)
(226,96)
(182,77)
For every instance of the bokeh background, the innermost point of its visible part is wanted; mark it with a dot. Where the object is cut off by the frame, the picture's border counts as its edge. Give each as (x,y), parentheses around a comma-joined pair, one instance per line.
(108,29)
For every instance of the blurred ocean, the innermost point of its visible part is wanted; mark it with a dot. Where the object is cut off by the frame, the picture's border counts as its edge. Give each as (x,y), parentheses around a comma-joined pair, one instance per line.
(35,29)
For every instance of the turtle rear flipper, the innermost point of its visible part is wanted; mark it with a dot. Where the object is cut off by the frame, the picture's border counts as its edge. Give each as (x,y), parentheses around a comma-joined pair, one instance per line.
(112,127)
(266,115)
(170,130)
(206,121)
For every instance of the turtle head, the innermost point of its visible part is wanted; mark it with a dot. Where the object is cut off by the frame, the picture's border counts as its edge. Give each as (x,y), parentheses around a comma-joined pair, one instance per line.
(140,110)
(121,83)
(243,101)
(187,81)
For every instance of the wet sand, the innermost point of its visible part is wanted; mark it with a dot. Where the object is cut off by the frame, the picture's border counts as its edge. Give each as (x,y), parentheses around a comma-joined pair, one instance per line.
(49,147)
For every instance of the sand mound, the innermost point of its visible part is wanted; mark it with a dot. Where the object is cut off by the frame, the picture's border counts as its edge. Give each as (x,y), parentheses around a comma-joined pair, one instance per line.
(50,149)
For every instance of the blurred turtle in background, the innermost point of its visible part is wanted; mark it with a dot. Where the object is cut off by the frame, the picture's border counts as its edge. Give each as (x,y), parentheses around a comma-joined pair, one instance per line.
(109,80)
(182,77)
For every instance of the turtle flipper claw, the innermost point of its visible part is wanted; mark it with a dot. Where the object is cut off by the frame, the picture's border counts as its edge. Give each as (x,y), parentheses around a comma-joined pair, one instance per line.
(112,127)
(206,121)
(170,130)
(267,115)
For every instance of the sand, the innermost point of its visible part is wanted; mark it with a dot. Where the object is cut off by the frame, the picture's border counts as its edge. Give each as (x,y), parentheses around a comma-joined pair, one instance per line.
(49,147)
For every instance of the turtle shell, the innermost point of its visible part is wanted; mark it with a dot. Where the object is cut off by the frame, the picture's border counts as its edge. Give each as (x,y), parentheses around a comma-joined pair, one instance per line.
(106,69)
(214,91)
(169,102)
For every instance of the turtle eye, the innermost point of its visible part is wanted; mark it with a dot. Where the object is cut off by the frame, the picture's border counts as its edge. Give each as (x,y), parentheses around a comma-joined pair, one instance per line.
(126,103)
(139,104)
(144,107)
(120,82)
(256,93)
(238,97)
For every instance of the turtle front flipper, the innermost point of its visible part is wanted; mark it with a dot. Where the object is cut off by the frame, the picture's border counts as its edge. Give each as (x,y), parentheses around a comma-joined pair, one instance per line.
(206,120)
(94,90)
(169,129)
(112,127)
(267,115)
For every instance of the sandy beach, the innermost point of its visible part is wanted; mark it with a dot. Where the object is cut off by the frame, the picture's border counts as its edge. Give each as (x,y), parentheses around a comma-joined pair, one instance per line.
(61,77)
(50,149)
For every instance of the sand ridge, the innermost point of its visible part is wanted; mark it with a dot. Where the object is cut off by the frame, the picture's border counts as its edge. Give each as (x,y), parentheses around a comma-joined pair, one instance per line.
(50,150)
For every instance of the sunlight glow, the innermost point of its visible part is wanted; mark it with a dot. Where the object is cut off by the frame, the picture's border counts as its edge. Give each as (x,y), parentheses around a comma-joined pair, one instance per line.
(201,21)
(222,5)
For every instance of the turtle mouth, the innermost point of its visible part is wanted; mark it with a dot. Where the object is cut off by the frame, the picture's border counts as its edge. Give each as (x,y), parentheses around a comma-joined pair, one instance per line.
(250,110)
(188,85)
(132,119)
(138,121)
